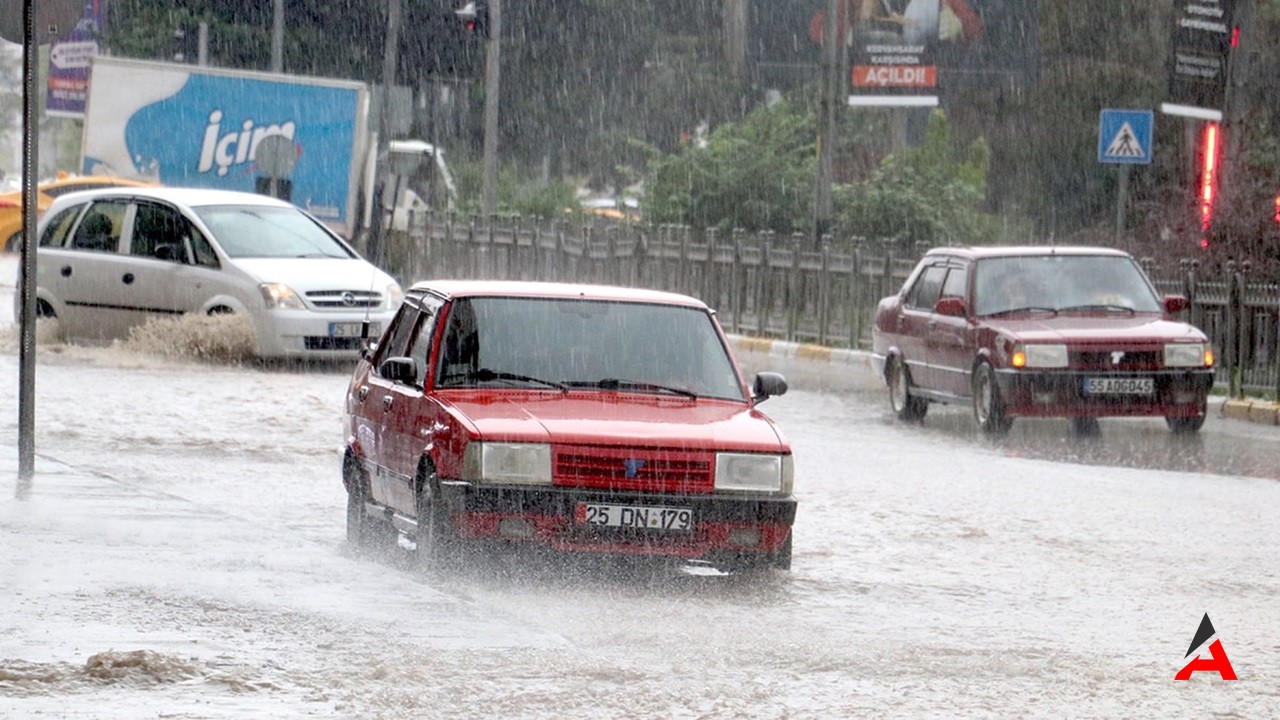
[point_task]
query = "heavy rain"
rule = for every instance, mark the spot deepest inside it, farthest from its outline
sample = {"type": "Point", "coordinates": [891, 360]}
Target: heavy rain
{"type": "Point", "coordinates": [181, 544]}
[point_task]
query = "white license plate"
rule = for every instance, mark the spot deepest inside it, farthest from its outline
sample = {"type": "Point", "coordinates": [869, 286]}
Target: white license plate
{"type": "Point", "coordinates": [1119, 386]}
{"type": "Point", "coordinates": [634, 516]}
{"type": "Point", "coordinates": [352, 329]}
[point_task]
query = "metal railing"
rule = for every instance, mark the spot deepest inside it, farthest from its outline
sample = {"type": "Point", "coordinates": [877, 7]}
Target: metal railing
{"type": "Point", "coordinates": [783, 287]}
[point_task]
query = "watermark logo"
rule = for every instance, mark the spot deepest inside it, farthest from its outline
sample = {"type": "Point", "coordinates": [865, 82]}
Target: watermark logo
{"type": "Point", "coordinates": [1217, 660]}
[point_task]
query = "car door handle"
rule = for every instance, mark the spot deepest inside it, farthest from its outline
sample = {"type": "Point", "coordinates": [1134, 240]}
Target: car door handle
{"type": "Point", "coordinates": [363, 392]}
{"type": "Point", "coordinates": [386, 402]}
{"type": "Point", "coordinates": [66, 271]}
{"type": "Point", "coordinates": [127, 278]}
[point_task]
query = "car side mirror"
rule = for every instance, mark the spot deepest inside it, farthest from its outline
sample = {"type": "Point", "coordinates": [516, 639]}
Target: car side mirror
{"type": "Point", "coordinates": [1174, 304]}
{"type": "Point", "coordinates": [399, 369]}
{"type": "Point", "coordinates": [767, 385]}
{"type": "Point", "coordinates": [950, 306]}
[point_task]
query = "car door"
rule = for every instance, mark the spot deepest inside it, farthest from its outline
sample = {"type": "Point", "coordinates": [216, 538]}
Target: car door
{"type": "Point", "coordinates": [409, 414]}
{"type": "Point", "coordinates": [374, 401]}
{"type": "Point", "coordinates": [916, 323]}
{"type": "Point", "coordinates": [169, 276]}
{"type": "Point", "coordinates": [949, 342]}
{"type": "Point", "coordinates": [87, 273]}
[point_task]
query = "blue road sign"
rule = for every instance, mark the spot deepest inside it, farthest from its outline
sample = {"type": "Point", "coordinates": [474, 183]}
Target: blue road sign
{"type": "Point", "coordinates": [1124, 136]}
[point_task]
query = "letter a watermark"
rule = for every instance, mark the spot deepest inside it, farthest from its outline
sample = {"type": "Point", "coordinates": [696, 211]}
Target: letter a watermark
{"type": "Point", "coordinates": [1217, 660]}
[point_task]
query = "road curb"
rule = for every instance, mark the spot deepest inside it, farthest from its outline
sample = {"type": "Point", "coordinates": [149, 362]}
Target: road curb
{"type": "Point", "coordinates": [801, 351]}
{"type": "Point", "coordinates": [1261, 412]}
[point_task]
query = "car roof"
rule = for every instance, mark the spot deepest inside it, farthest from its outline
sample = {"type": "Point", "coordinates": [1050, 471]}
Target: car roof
{"type": "Point", "coordinates": [192, 197]}
{"type": "Point", "coordinates": [551, 290]}
{"type": "Point", "coordinates": [975, 252]}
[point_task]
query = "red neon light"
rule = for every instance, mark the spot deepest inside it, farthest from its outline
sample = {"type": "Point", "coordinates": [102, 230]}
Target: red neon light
{"type": "Point", "coordinates": [1235, 37]}
{"type": "Point", "coordinates": [1209, 176]}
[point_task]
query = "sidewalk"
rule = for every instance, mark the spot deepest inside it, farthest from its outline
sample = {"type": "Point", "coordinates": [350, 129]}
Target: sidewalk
{"type": "Point", "coordinates": [1262, 412]}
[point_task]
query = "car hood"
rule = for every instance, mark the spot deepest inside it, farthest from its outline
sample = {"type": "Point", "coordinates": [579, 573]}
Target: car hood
{"type": "Point", "coordinates": [616, 418]}
{"type": "Point", "coordinates": [1089, 330]}
{"type": "Point", "coordinates": [304, 274]}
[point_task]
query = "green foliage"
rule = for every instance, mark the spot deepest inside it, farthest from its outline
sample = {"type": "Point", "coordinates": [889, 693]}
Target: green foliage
{"type": "Point", "coordinates": [925, 194]}
{"type": "Point", "coordinates": [756, 174]}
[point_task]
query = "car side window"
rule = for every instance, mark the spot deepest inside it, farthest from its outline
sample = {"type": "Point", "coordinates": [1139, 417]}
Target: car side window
{"type": "Point", "coordinates": [395, 341]}
{"type": "Point", "coordinates": [202, 250]}
{"type": "Point", "coordinates": [55, 233]}
{"type": "Point", "coordinates": [159, 232]}
{"type": "Point", "coordinates": [928, 288]}
{"type": "Point", "coordinates": [99, 229]}
{"type": "Point", "coordinates": [955, 284]}
{"type": "Point", "coordinates": [420, 346]}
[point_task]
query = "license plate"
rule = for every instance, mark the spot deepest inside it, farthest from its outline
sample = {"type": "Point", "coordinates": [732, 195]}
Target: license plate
{"type": "Point", "coordinates": [634, 516]}
{"type": "Point", "coordinates": [352, 329]}
{"type": "Point", "coordinates": [1119, 386]}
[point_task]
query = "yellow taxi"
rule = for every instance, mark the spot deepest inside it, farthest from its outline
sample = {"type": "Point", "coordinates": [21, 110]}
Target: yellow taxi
{"type": "Point", "coordinates": [11, 202]}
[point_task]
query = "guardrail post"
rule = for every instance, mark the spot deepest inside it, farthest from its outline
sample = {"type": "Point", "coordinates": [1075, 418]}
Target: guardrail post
{"type": "Point", "coordinates": [737, 292]}
{"type": "Point", "coordinates": [1232, 351]}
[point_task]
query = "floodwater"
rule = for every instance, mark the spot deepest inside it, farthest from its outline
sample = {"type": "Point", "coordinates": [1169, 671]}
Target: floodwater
{"type": "Point", "coordinates": [182, 555]}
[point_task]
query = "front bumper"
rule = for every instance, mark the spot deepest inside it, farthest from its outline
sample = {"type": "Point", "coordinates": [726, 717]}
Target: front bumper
{"type": "Point", "coordinates": [723, 525]}
{"type": "Point", "coordinates": [309, 334]}
{"type": "Point", "coordinates": [1061, 393]}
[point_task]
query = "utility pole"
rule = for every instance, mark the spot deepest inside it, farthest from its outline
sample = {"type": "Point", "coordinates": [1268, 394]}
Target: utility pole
{"type": "Point", "coordinates": [390, 51]}
{"type": "Point", "coordinates": [831, 88]}
{"type": "Point", "coordinates": [488, 191]}
{"type": "Point", "coordinates": [277, 36]}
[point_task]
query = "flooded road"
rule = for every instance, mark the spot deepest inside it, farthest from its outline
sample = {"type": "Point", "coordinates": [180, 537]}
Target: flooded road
{"type": "Point", "coordinates": [183, 555]}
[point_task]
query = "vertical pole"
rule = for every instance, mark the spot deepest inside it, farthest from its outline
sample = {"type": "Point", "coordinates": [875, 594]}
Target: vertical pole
{"type": "Point", "coordinates": [826, 123]}
{"type": "Point", "coordinates": [202, 45]}
{"type": "Point", "coordinates": [1122, 198]}
{"type": "Point", "coordinates": [30, 166]}
{"type": "Point", "coordinates": [488, 192]}
{"type": "Point", "coordinates": [277, 36]}
{"type": "Point", "coordinates": [390, 50]}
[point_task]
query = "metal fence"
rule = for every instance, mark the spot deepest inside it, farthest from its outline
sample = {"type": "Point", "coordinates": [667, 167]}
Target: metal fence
{"type": "Point", "coordinates": [783, 287]}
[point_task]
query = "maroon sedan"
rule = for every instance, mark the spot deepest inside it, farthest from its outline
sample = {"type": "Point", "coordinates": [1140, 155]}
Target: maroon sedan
{"type": "Point", "coordinates": [1076, 332]}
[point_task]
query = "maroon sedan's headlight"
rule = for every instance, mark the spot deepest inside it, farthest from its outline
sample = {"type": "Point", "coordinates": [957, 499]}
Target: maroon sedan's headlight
{"type": "Point", "coordinates": [1039, 355]}
{"type": "Point", "coordinates": [1188, 355]}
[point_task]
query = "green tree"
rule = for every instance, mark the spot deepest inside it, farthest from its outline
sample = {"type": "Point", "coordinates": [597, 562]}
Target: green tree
{"type": "Point", "coordinates": [755, 174]}
{"type": "Point", "coordinates": [928, 193]}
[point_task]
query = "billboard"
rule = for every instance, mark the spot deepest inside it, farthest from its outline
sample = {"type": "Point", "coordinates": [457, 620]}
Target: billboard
{"type": "Point", "coordinates": [1203, 33]}
{"type": "Point", "coordinates": [976, 42]}
{"type": "Point", "coordinates": [893, 44]}
{"type": "Point", "coordinates": [69, 58]}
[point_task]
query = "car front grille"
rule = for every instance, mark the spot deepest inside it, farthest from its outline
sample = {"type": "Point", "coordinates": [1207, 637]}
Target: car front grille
{"type": "Point", "coordinates": [344, 299]}
{"type": "Point", "coordinates": [1117, 359]}
{"type": "Point", "coordinates": [648, 469]}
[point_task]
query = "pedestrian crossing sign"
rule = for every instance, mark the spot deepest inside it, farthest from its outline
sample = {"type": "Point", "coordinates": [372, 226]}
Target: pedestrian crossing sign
{"type": "Point", "coordinates": [1124, 136]}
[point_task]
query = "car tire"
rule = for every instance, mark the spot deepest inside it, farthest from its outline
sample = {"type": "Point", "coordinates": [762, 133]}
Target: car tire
{"type": "Point", "coordinates": [364, 532]}
{"type": "Point", "coordinates": [905, 406]}
{"type": "Point", "coordinates": [1188, 425]}
{"type": "Point", "coordinates": [782, 558]}
{"type": "Point", "coordinates": [13, 243]}
{"type": "Point", "coordinates": [434, 540]}
{"type": "Point", "coordinates": [988, 405]}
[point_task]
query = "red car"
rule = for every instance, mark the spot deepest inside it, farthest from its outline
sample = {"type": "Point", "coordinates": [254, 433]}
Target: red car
{"type": "Point", "coordinates": [574, 417]}
{"type": "Point", "coordinates": [1076, 332]}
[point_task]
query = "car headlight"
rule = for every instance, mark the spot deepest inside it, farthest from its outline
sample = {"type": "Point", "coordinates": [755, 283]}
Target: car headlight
{"type": "Point", "coordinates": [1040, 356]}
{"type": "Point", "coordinates": [279, 296]}
{"type": "Point", "coordinates": [395, 296]}
{"type": "Point", "coordinates": [507, 463]}
{"type": "Point", "coordinates": [1188, 355]}
{"type": "Point", "coordinates": [751, 472]}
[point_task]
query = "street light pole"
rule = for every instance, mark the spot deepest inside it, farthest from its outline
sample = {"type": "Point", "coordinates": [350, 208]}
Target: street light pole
{"type": "Point", "coordinates": [488, 191]}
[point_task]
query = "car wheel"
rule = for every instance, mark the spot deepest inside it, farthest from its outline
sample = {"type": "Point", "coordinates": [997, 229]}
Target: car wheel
{"type": "Point", "coordinates": [364, 531]}
{"type": "Point", "coordinates": [1187, 425]}
{"type": "Point", "coordinates": [14, 243]}
{"type": "Point", "coordinates": [434, 539]}
{"type": "Point", "coordinates": [905, 405]}
{"type": "Point", "coordinates": [782, 558]}
{"type": "Point", "coordinates": [988, 406]}
{"type": "Point", "coordinates": [1085, 426]}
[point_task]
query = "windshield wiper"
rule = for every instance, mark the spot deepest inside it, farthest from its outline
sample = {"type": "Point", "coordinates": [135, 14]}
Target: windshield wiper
{"type": "Point", "coordinates": [1030, 308]}
{"type": "Point", "coordinates": [1106, 307]}
{"type": "Point", "coordinates": [487, 375]}
{"type": "Point", "coordinates": [619, 384]}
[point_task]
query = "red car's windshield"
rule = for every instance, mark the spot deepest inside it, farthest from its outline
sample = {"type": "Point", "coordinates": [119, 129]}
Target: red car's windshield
{"type": "Point", "coordinates": [1061, 283]}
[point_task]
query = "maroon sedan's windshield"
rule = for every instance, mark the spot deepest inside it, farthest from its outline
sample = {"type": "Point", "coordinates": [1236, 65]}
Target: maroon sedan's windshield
{"type": "Point", "coordinates": [1061, 283]}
